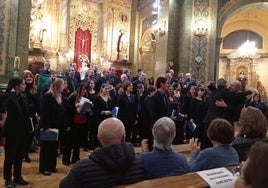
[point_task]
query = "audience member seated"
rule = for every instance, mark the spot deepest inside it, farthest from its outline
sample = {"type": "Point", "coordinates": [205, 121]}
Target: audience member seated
{"type": "Point", "coordinates": [111, 165]}
{"type": "Point", "coordinates": [163, 161]}
{"type": "Point", "coordinates": [254, 171]}
{"type": "Point", "coordinates": [220, 133]}
{"type": "Point", "coordinates": [252, 128]}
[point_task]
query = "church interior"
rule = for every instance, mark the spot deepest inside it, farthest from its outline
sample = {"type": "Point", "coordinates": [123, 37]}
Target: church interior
{"type": "Point", "coordinates": [208, 38]}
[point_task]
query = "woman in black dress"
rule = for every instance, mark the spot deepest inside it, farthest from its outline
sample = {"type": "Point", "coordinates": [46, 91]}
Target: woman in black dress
{"type": "Point", "coordinates": [127, 111]}
{"type": "Point", "coordinates": [102, 110]}
{"type": "Point", "coordinates": [51, 117]}
{"type": "Point", "coordinates": [33, 108]}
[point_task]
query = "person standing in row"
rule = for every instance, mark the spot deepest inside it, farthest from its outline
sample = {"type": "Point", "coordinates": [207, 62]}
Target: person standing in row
{"type": "Point", "coordinates": [32, 97]}
{"type": "Point", "coordinates": [51, 116]}
{"type": "Point", "coordinates": [16, 131]}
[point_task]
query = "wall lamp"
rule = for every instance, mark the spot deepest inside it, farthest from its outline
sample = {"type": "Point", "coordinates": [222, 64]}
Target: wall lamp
{"type": "Point", "coordinates": [201, 27]}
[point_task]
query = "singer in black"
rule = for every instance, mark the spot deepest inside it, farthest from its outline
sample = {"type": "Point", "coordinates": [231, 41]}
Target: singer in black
{"type": "Point", "coordinates": [16, 131]}
{"type": "Point", "coordinates": [51, 116]}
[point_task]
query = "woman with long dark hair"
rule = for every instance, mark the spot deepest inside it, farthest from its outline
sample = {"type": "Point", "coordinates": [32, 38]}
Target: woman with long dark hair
{"type": "Point", "coordinates": [76, 131]}
{"type": "Point", "coordinates": [16, 131]}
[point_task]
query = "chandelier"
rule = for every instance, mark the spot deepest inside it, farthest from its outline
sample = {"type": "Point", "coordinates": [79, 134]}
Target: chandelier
{"type": "Point", "coordinates": [248, 48]}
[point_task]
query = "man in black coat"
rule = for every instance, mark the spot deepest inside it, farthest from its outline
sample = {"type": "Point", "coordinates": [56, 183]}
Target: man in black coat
{"type": "Point", "coordinates": [114, 164]}
{"type": "Point", "coordinates": [158, 108]}
{"type": "Point", "coordinates": [221, 94]}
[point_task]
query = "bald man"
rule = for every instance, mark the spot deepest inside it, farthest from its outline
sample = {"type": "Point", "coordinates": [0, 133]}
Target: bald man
{"type": "Point", "coordinates": [113, 164]}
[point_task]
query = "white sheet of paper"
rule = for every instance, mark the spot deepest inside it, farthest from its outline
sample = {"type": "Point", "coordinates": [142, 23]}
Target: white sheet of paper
{"type": "Point", "coordinates": [83, 100]}
{"type": "Point", "coordinates": [218, 177]}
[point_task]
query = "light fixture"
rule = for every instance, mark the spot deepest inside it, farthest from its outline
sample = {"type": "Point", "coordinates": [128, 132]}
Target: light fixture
{"type": "Point", "coordinates": [201, 27]}
{"type": "Point", "coordinates": [247, 49]}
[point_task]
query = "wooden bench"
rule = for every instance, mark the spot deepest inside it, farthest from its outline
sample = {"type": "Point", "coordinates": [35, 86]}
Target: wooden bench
{"type": "Point", "coordinates": [190, 180]}
{"type": "Point", "coordinates": [182, 148]}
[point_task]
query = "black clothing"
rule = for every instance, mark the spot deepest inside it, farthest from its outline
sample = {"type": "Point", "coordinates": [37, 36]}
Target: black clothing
{"type": "Point", "coordinates": [16, 132]}
{"type": "Point", "coordinates": [127, 112]}
{"type": "Point", "coordinates": [158, 108]}
{"type": "Point", "coordinates": [51, 116]}
{"type": "Point", "coordinates": [99, 106]}
{"type": "Point", "coordinates": [214, 112]}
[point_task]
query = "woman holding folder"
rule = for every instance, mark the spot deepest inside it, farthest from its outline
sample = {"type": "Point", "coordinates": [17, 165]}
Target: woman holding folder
{"type": "Point", "coordinates": [51, 117]}
{"type": "Point", "coordinates": [76, 131]}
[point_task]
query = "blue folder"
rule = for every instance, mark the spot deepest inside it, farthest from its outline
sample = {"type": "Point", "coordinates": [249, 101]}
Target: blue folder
{"type": "Point", "coordinates": [85, 106]}
{"type": "Point", "coordinates": [53, 135]}
{"type": "Point", "coordinates": [178, 117]}
{"type": "Point", "coordinates": [114, 112]}
{"type": "Point", "coordinates": [191, 126]}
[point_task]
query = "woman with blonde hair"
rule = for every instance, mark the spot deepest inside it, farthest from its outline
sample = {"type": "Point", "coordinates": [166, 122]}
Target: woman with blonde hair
{"type": "Point", "coordinates": [103, 105]}
{"type": "Point", "coordinates": [254, 171]}
{"type": "Point", "coordinates": [33, 108]}
{"type": "Point", "coordinates": [253, 127]}
{"type": "Point", "coordinates": [51, 117]}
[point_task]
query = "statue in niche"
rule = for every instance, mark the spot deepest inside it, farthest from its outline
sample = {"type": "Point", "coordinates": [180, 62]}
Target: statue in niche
{"type": "Point", "coordinates": [36, 28]}
{"type": "Point", "coordinates": [242, 79]}
{"type": "Point", "coordinates": [122, 44]}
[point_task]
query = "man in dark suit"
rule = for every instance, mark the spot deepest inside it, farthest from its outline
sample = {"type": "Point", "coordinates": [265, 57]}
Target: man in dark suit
{"type": "Point", "coordinates": [76, 74]}
{"type": "Point", "coordinates": [158, 108]}
{"type": "Point", "coordinates": [140, 80]}
{"type": "Point", "coordinates": [71, 80]}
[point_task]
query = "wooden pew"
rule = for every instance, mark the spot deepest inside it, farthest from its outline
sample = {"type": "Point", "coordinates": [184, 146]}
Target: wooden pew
{"type": "Point", "coordinates": [190, 180]}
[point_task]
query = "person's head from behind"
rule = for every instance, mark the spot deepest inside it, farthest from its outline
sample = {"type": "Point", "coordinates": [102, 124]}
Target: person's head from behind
{"type": "Point", "coordinates": [164, 131]}
{"type": "Point", "coordinates": [253, 123]}
{"type": "Point", "coordinates": [220, 131]}
{"type": "Point", "coordinates": [235, 86]}
{"type": "Point", "coordinates": [254, 170]}
{"type": "Point", "coordinates": [111, 131]}
{"type": "Point", "coordinates": [221, 83]}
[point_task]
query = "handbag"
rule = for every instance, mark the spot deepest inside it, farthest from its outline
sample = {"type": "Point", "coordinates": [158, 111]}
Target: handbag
{"type": "Point", "coordinates": [80, 118]}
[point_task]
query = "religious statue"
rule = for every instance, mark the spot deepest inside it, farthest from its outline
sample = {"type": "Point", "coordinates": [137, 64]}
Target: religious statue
{"type": "Point", "coordinates": [122, 44]}
{"type": "Point", "coordinates": [83, 40]}
{"type": "Point", "coordinates": [36, 27]}
{"type": "Point", "coordinates": [242, 79]}
{"type": "Point", "coordinates": [16, 67]}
